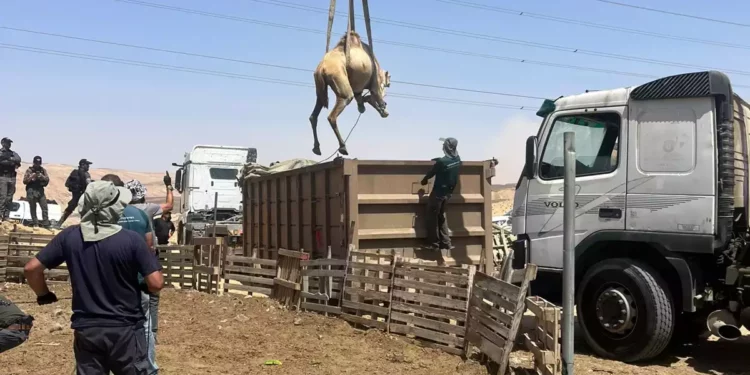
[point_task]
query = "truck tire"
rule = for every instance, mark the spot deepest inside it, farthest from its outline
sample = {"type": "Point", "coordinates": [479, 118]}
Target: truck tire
{"type": "Point", "coordinates": [625, 310]}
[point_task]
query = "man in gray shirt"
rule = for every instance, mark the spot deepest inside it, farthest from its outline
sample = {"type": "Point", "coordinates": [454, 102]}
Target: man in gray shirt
{"type": "Point", "coordinates": [152, 210]}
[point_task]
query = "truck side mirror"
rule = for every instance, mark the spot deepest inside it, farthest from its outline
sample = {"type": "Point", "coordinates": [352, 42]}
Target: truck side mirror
{"type": "Point", "coordinates": [178, 180]}
{"type": "Point", "coordinates": [528, 167]}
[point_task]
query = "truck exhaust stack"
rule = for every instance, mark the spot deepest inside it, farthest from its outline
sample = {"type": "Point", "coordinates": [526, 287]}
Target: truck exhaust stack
{"type": "Point", "coordinates": [722, 324]}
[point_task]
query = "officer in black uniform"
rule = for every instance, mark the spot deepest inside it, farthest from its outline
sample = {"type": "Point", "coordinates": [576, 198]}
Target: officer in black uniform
{"type": "Point", "coordinates": [9, 163]}
{"type": "Point", "coordinates": [15, 326]}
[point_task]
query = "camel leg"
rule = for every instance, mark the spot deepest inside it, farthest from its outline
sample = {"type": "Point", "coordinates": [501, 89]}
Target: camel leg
{"type": "Point", "coordinates": [314, 123]}
{"type": "Point", "coordinates": [344, 95]}
{"type": "Point", "coordinates": [360, 102]}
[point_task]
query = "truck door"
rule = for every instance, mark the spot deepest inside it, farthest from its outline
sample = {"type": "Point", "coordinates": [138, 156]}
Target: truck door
{"type": "Point", "coordinates": [601, 164]}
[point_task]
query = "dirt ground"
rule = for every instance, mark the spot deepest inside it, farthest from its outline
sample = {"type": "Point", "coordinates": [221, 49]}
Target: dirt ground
{"type": "Point", "coordinates": [204, 334]}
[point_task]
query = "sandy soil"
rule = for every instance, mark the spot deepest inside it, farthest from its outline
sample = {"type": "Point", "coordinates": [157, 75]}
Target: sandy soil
{"type": "Point", "coordinates": [502, 199]}
{"type": "Point", "coordinates": [203, 334]}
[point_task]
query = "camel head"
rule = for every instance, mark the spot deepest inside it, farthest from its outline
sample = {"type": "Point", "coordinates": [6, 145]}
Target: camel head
{"type": "Point", "coordinates": [384, 82]}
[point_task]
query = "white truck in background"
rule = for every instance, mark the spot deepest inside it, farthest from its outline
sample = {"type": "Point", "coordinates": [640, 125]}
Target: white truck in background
{"type": "Point", "coordinates": [206, 171]}
{"type": "Point", "coordinates": [20, 211]}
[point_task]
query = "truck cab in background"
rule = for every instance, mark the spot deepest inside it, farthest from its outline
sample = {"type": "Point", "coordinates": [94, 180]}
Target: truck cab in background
{"type": "Point", "coordinates": [208, 181]}
{"type": "Point", "coordinates": [661, 205]}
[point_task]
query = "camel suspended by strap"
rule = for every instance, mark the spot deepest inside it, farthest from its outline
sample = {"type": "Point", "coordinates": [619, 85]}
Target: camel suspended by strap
{"type": "Point", "coordinates": [349, 69]}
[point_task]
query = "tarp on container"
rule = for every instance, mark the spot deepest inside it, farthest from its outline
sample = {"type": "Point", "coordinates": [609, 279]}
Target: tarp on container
{"type": "Point", "coordinates": [255, 170]}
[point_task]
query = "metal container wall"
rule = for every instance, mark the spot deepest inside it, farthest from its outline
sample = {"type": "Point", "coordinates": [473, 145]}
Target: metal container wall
{"type": "Point", "coordinates": [368, 205]}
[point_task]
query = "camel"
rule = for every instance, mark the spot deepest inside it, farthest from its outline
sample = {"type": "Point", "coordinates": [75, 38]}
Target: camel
{"type": "Point", "coordinates": [347, 80]}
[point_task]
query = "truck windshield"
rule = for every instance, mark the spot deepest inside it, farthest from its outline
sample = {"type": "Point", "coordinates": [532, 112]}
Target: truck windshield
{"type": "Point", "coordinates": [223, 173]}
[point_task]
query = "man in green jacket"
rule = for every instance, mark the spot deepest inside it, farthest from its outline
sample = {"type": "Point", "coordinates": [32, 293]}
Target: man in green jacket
{"type": "Point", "coordinates": [445, 170]}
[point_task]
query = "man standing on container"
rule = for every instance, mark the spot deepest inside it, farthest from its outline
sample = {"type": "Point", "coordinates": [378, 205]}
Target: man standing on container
{"type": "Point", "coordinates": [9, 163]}
{"type": "Point", "coordinates": [445, 170]}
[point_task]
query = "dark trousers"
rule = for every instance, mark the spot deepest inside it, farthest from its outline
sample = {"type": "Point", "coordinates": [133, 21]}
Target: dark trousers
{"type": "Point", "coordinates": [9, 339]}
{"type": "Point", "coordinates": [73, 203]}
{"type": "Point", "coordinates": [153, 310]}
{"type": "Point", "coordinates": [7, 189]}
{"type": "Point", "coordinates": [36, 196]}
{"type": "Point", "coordinates": [436, 224]}
{"type": "Point", "coordinates": [120, 350]}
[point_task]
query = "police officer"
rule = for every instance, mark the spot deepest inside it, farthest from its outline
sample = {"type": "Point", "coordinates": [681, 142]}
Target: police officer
{"type": "Point", "coordinates": [15, 326]}
{"type": "Point", "coordinates": [36, 179]}
{"type": "Point", "coordinates": [445, 170]}
{"type": "Point", "coordinates": [76, 183]}
{"type": "Point", "coordinates": [9, 163]}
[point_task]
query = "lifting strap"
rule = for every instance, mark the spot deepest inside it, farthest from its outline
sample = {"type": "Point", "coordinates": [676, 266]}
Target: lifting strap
{"type": "Point", "coordinates": [366, 10]}
{"type": "Point", "coordinates": [331, 13]}
{"type": "Point", "coordinates": [349, 28]}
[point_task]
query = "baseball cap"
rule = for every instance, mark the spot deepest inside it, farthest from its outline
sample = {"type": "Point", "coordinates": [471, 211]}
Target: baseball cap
{"type": "Point", "coordinates": [84, 161]}
{"type": "Point", "coordinates": [37, 159]}
{"type": "Point", "coordinates": [6, 139]}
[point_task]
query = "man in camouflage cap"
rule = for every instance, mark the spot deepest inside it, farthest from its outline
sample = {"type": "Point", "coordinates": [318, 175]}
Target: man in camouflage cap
{"type": "Point", "coordinates": [9, 163]}
{"type": "Point", "coordinates": [36, 179]}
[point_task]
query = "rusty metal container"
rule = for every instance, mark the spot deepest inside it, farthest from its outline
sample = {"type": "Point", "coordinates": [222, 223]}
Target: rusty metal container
{"type": "Point", "coordinates": [366, 204]}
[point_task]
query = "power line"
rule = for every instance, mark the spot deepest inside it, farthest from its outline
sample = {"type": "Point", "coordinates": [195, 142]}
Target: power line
{"type": "Point", "coordinates": [675, 13]}
{"type": "Point", "coordinates": [261, 63]}
{"type": "Point", "coordinates": [626, 30]}
{"type": "Point", "coordinates": [241, 76]}
{"type": "Point", "coordinates": [451, 32]}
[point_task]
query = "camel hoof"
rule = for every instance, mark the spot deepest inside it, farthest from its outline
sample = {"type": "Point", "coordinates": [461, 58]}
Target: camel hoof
{"type": "Point", "coordinates": [361, 108]}
{"type": "Point", "coordinates": [384, 114]}
{"type": "Point", "coordinates": [343, 151]}
{"type": "Point", "coordinates": [316, 150]}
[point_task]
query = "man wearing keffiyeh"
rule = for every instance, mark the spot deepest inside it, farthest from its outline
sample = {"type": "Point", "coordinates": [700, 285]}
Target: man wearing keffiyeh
{"type": "Point", "coordinates": [103, 261]}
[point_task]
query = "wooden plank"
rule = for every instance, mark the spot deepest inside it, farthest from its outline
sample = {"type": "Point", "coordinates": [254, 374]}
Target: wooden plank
{"type": "Point", "coordinates": [543, 357]}
{"type": "Point", "coordinates": [323, 273]}
{"type": "Point", "coordinates": [426, 334]}
{"type": "Point", "coordinates": [446, 269]}
{"type": "Point", "coordinates": [500, 316]}
{"type": "Point", "coordinates": [207, 241]}
{"type": "Point", "coordinates": [250, 270]}
{"type": "Point", "coordinates": [427, 323]}
{"type": "Point", "coordinates": [323, 262]}
{"type": "Point", "coordinates": [476, 326]}
{"type": "Point", "coordinates": [371, 294]}
{"type": "Point", "coordinates": [321, 307]}
{"type": "Point", "coordinates": [354, 253]}
{"type": "Point", "coordinates": [371, 267]}
{"type": "Point", "coordinates": [364, 321]}
{"type": "Point", "coordinates": [287, 284]}
{"type": "Point", "coordinates": [497, 286]}
{"type": "Point", "coordinates": [485, 346]}
{"type": "Point", "coordinates": [365, 306]}
{"type": "Point", "coordinates": [433, 300]}
{"type": "Point", "coordinates": [493, 325]}
{"type": "Point", "coordinates": [369, 280]}
{"type": "Point", "coordinates": [315, 296]}
{"type": "Point", "coordinates": [249, 279]}
{"type": "Point", "coordinates": [250, 260]}
{"type": "Point", "coordinates": [175, 247]}
{"type": "Point", "coordinates": [12, 271]}
{"type": "Point", "coordinates": [435, 288]}
{"type": "Point", "coordinates": [495, 299]}
{"type": "Point", "coordinates": [433, 276]}
{"type": "Point", "coordinates": [206, 269]}
{"type": "Point", "coordinates": [431, 311]}
{"type": "Point", "coordinates": [26, 247]}
{"type": "Point", "coordinates": [248, 288]}
{"type": "Point", "coordinates": [294, 254]}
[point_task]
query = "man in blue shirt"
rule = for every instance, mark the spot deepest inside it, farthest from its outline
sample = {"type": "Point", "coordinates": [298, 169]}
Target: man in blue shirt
{"type": "Point", "coordinates": [103, 261]}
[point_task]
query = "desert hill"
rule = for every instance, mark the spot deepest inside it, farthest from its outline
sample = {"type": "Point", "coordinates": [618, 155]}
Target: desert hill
{"type": "Point", "coordinates": [58, 173]}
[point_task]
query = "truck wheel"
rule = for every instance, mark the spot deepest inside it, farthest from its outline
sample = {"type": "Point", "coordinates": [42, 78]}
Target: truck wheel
{"type": "Point", "coordinates": [625, 310]}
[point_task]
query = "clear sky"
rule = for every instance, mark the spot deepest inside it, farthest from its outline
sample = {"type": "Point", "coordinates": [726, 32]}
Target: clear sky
{"type": "Point", "coordinates": [140, 118]}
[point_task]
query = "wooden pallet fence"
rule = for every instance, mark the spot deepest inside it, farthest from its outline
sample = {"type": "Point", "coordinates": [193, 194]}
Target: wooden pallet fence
{"type": "Point", "coordinates": [3, 256]}
{"type": "Point", "coordinates": [544, 341]}
{"type": "Point", "coordinates": [177, 265]}
{"type": "Point", "coordinates": [19, 248]}
{"type": "Point", "coordinates": [207, 262]}
{"type": "Point", "coordinates": [430, 303]}
{"type": "Point", "coordinates": [248, 274]}
{"type": "Point", "coordinates": [367, 288]}
{"type": "Point", "coordinates": [287, 284]}
{"type": "Point", "coordinates": [495, 312]}
{"type": "Point", "coordinates": [321, 283]}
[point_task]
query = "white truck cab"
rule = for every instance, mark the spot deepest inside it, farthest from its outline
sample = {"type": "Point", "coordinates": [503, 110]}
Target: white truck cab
{"type": "Point", "coordinates": [661, 207]}
{"type": "Point", "coordinates": [206, 171]}
{"type": "Point", "coordinates": [21, 212]}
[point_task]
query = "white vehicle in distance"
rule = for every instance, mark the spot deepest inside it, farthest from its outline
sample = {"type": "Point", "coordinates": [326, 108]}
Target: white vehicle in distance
{"type": "Point", "coordinates": [20, 211]}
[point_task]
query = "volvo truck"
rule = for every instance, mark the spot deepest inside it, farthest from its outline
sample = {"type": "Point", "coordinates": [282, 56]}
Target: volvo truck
{"type": "Point", "coordinates": [661, 207]}
{"type": "Point", "coordinates": [208, 182]}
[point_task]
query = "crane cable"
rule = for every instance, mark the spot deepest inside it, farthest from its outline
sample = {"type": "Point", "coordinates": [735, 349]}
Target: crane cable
{"type": "Point", "coordinates": [331, 13]}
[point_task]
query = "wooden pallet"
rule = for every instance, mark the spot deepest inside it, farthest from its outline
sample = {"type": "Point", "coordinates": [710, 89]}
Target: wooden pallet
{"type": "Point", "coordinates": [321, 284]}
{"type": "Point", "coordinates": [287, 284]}
{"type": "Point", "coordinates": [249, 274]}
{"type": "Point", "coordinates": [17, 249]}
{"type": "Point", "coordinates": [367, 288]}
{"type": "Point", "coordinates": [207, 262]}
{"type": "Point", "coordinates": [430, 304]}
{"type": "Point", "coordinates": [544, 341]}
{"type": "Point", "coordinates": [177, 265]}
{"type": "Point", "coordinates": [495, 312]}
